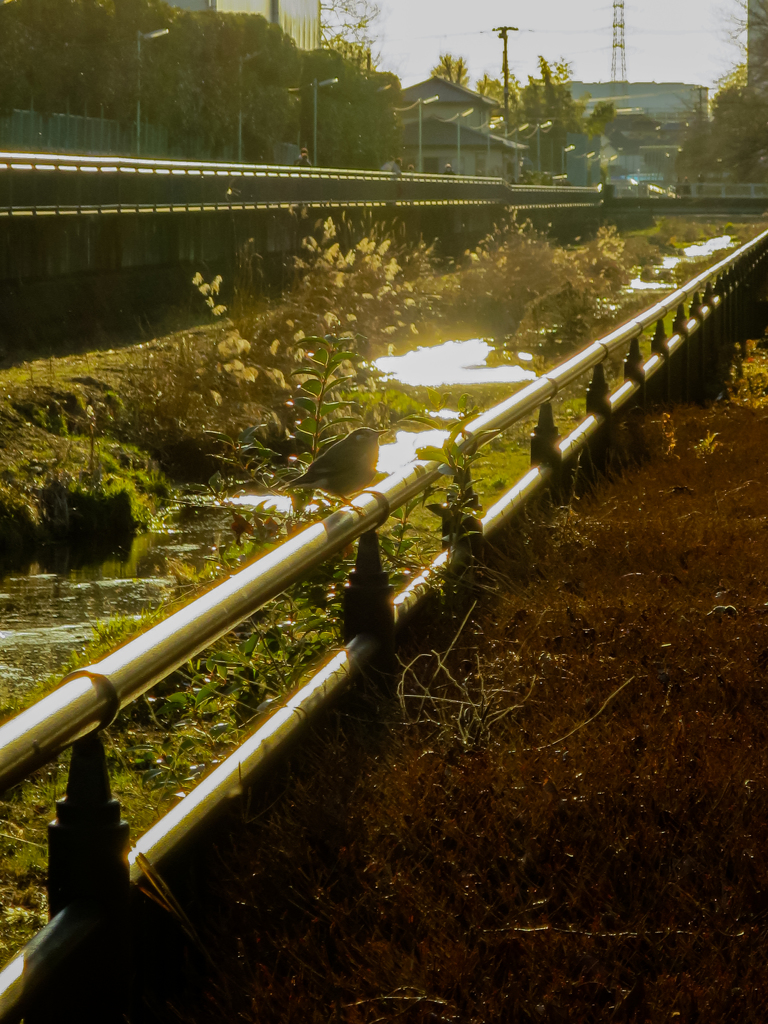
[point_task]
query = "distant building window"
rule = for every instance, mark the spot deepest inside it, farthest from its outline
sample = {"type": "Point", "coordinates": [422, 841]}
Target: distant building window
{"type": "Point", "coordinates": [431, 165]}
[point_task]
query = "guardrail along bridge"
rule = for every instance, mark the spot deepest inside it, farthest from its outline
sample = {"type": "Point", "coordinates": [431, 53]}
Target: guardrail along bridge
{"type": "Point", "coordinates": [66, 214]}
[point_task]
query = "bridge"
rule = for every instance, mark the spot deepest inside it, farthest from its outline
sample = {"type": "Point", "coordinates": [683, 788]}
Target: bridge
{"type": "Point", "coordinates": [689, 199]}
{"type": "Point", "coordinates": [103, 194]}
{"type": "Point", "coordinates": [68, 223]}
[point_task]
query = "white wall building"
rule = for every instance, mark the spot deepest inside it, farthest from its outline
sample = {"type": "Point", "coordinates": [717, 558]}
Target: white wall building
{"type": "Point", "coordinates": [300, 19]}
{"type": "Point", "coordinates": [757, 42]}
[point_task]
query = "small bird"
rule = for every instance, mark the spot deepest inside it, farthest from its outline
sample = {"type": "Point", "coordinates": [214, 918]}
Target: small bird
{"type": "Point", "coordinates": [347, 466]}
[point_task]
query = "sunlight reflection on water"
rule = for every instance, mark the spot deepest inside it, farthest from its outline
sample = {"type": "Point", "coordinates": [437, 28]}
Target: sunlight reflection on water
{"type": "Point", "coordinates": [453, 362]}
{"type": "Point", "coordinates": [690, 252]}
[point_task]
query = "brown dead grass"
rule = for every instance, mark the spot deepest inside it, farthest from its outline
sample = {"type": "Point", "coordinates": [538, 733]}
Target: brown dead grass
{"type": "Point", "coordinates": [465, 862]}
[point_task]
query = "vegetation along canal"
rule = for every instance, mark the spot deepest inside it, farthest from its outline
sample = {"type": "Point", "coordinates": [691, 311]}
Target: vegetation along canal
{"type": "Point", "coordinates": [65, 584]}
{"type": "Point", "coordinates": [133, 475]}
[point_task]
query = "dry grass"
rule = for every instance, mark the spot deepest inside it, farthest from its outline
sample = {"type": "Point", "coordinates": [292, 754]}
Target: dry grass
{"type": "Point", "coordinates": [573, 827]}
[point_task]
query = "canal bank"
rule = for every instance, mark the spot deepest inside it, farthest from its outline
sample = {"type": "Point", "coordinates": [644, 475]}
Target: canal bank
{"type": "Point", "coordinates": [105, 456]}
{"type": "Point", "coordinates": [163, 744]}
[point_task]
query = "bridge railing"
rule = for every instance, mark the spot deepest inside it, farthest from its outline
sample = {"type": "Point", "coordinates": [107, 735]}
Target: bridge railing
{"type": "Point", "coordinates": [47, 183]}
{"type": "Point", "coordinates": [90, 868]}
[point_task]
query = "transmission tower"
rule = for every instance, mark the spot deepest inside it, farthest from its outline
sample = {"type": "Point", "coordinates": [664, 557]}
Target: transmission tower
{"type": "Point", "coordinates": [619, 59]}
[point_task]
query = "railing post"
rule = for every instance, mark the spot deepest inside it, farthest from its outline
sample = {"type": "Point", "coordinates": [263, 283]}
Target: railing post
{"type": "Point", "coordinates": [462, 538]}
{"type": "Point", "coordinates": [545, 450]}
{"type": "Point", "coordinates": [721, 324]}
{"type": "Point", "coordinates": [88, 861]}
{"type": "Point", "coordinates": [369, 604]}
{"type": "Point", "coordinates": [730, 328]}
{"type": "Point", "coordinates": [682, 368]}
{"type": "Point", "coordinates": [696, 357]}
{"type": "Point", "coordinates": [633, 369]}
{"type": "Point", "coordinates": [659, 346]}
{"type": "Point", "coordinates": [738, 317]}
{"type": "Point", "coordinates": [709, 340]}
{"type": "Point", "coordinates": [753, 327]}
{"type": "Point", "coordinates": [599, 405]}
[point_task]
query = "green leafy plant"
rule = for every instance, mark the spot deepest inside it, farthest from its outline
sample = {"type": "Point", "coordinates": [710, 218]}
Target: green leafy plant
{"type": "Point", "coordinates": [456, 457]}
{"type": "Point", "coordinates": [707, 444]}
{"type": "Point", "coordinates": [319, 413]}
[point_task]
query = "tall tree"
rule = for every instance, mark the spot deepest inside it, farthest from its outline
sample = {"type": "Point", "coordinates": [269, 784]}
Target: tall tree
{"type": "Point", "coordinates": [490, 87]}
{"type": "Point", "coordinates": [81, 55]}
{"type": "Point", "coordinates": [732, 143]}
{"type": "Point", "coordinates": [603, 113]}
{"type": "Point", "coordinates": [356, 122]}
{"type": "Point", "coordinates": [348, 21]}
{"type": "Point", "coordinates": [453, 68]}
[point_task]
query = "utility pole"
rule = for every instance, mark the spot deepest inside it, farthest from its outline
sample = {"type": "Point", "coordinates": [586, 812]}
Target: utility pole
{"type": "Point", "coordinates": [503, 31]}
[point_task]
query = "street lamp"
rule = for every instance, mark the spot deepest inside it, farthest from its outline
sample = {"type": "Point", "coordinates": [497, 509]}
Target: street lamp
{"type": "Point", "coordinates": [419, 103]}
{"type": "Point", "coordinates": [539, 128]}
{"type": "Point", "coordinates": [588, 157]}
{"type": "Point", "coordinates": [315, 86]}
{"type": "Point", "coordinates": [564, 162]}
{"type": "Point", "coordinates": [243, 60]}
{"type": "Point", "coordinates": [519, 128]}
{"type": "Point", "coordinates": [319, 85]}
{"type": "Point", "coordinates": [609, 161]}
{"type": "Point", "coordinates": [457, 118]}
{"type": "Point", "coordinates": [139, 36]}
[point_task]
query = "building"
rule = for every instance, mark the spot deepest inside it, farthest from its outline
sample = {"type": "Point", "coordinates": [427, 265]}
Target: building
{"type": "Point", "coordinates": [642, 143]}
{"type": "Point", "coordinates": [637, 147]}
{"type": "Point", "coordinates": [757, 42]}
{"type": "Point", "coordinates": [468, 150]}
{"type": "Point", "coordinates": [300, 19]}
{"type": "Point", "coordinates": [662, 101]}
{"type": "Point", "coordinates": [455, 130]}
{"type": "Point", "coordinates": [453, 100]}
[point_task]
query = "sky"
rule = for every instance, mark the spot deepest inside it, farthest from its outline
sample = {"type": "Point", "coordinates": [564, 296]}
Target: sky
{"type": "Point", "coordinates": [666, 40]}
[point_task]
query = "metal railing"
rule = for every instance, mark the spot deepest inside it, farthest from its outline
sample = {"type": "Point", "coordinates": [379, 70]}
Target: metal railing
{"type": "Point", "coordinates": [86, 900]}
{"type": "Point", "coordinates": [40, 184]}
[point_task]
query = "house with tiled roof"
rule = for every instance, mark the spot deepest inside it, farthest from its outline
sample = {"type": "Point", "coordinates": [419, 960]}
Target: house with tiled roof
{"type": "Point", "coordinates": [455, 131]}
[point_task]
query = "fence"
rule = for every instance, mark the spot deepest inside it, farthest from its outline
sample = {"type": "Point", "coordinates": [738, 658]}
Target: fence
{"type": "Point", "coordinates": [28, 130]}
{"type": "Point", "coordinates": [90, 869]}
{"type": "Point", "coordinates": [714, 190]}
{"type": "Point", "coordinates": [33, 132]}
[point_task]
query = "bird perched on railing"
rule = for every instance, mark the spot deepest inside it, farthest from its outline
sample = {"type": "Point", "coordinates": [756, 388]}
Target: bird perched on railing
{"type": "Point", "coordinates": [347, 466]}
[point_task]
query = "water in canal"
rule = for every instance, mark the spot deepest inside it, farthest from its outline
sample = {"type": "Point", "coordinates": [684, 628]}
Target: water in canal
{"type": "Point", "coordinates": [48, 608]}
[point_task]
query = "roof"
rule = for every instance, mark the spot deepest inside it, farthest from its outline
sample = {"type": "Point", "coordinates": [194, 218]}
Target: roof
{"type": "Point", "coordinates": [435, 131]}
{"type": "Point", "coordinates": [449, 92]}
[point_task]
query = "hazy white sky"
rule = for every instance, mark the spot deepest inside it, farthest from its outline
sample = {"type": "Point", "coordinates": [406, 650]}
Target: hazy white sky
{"type": "Point", "coordinates": [666, 40]}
